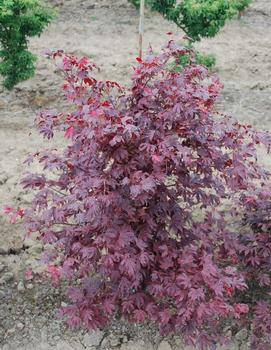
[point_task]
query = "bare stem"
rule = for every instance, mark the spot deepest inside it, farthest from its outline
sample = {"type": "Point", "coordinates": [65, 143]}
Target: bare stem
{"type": "Point", "coordinates": [141, 27]}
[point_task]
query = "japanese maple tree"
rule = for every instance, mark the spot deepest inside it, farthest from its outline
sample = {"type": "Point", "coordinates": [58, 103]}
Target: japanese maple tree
{"type": "Point", "coordinates": [131, 205]}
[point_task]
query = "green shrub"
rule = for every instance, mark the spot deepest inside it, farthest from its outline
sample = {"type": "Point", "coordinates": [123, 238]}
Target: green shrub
{"type": "Point", "coordinates": [207, 60]}
{"type": "Point", "coordinates": [198, 18]}
{"type": "Point", "coordinates": [240, 5]}
{"type": "Point", "coordinates": [19, 20]}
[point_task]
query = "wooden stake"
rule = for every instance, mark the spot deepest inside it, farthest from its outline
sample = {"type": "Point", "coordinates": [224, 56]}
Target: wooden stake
{"type": "Point", "coordinates": [141, 26]}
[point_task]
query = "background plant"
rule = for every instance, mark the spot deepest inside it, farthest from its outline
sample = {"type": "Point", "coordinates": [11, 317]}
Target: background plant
{"type": "Point", "coordinates": [137, 2]}
{"type": "Point", "coordinates": [207, 60]}
{"type": "Point", "coordinates": [19, 20]}
{"type": "Point", "coordinates": [240, 5]}
{"type": "Point", "coordinates": [117, 204]}
{"type": "Point", "coordinates": [198, 18]}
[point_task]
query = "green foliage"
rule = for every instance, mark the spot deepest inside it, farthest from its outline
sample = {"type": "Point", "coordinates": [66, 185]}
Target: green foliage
{"type": "Point", "coordinates": [207, 60]}
{"type": "Point", "coordinates": [204, 18]}
{"type": "Point", "coordinates": [198, 18]}
{"type": "Point", "coordinates": [19, 20]}
{"type": "Point", "coordinates": [137, 2]}
{"type": "Point", "coordinates": [240, 5]}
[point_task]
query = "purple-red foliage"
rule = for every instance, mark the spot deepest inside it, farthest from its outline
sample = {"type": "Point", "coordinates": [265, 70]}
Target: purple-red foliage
{"type": "Point", "coordinates": [120, 204]}
{"type": "Point", "coordinates": [255, 260]}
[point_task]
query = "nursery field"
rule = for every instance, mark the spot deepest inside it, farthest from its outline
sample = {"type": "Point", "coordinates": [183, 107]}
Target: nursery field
{"type": "Point", "coordinates": [106, 31]}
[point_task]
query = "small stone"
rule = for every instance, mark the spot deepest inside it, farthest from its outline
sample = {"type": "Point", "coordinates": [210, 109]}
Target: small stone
{"type": "Point", "coordinates": [29, 242]}
{"type": "Point", "coordinates": [20, 325]}
{"type": "Point", "coordinates": [7, 277]}
{"type": "Point", "coordinates": [29, 286]}
{"type": "Point", "coordinates": [63, 304]}
{"type": "Point", "coordinates": [241, 335]}
{"type": "Point", "coordinates": [20, 286]}
{"type": "Point", "coordinates": [104, 343]}
{"type": "Point", "coordinates": [4, 250]}
{"type": "Point", "coordinates": [164, 345]}
{"type": "Point", "coordinates": [93, 338]}
{"type": "Point", "coordinates": [36, 248]}
{"type": "Point", "coordinates": [114, 341]}
{"type": "Point", "coordinates": [11, 330]}
{"type": "Point", "coordinates": [124, 339]}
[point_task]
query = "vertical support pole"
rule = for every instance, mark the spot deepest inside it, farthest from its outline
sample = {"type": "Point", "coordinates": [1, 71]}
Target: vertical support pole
{"type": "Point", "coordinates": [141, 27]}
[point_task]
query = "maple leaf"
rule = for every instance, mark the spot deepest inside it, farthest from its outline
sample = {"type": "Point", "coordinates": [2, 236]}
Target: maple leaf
{"type": "Point", "coordinates": [241, 309]}
{"type": "Point", "coordinates": [82, 62]}
{"type": "Point", "coordinates": [164, 317]}
{"type": "Point", "coordinates": [196, 294]}
{"type": "Point", "coordinates": [69, 132]}
{"type": "Point", "coordinates": [184, 281]}
{"type": "Point", "coordinates": [129, 266]}
{"type": "Point", "coordinates": [140, 315]}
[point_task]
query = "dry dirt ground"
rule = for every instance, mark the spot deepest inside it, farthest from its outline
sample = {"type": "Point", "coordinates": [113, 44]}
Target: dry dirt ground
{"type": "Point", "coordinates": [106, 31]}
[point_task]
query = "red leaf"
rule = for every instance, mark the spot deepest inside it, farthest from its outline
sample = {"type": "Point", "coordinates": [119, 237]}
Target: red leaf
{"type": "Point", "coordinates": [139, 315]}
{"type": "Point", "coordinates": [54, 273]}
{"type": "Point", "coordinates": [83, 62]}
{"type": "Point", "coordinates": [241, 308]}
{"type": "Point", "coordinates": [69, 132]}
{"type": "Point", "coordinates": [29, 274]}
